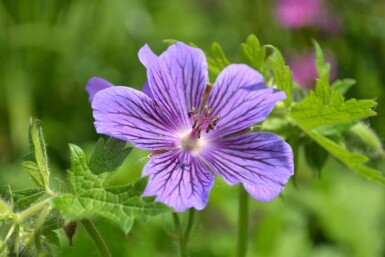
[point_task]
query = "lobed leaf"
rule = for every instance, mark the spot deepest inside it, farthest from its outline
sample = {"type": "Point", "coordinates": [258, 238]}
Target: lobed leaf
{"type": "Point", "coordinates": [108, 155]}
{"type": "Point", "coordinates": [216, 60]}
{"type": "Point", "coordinates": [282, 75]}
{"type": "Point", "coordinates": [252, 53]}
{"type": "Point", "coordinates": [328, 108]}
{"type": "Point", "coordinates": [323, 68]}
{"type": "Point", "coordinates": [342, 86]}
{"type": "Point", "coordinates": [352, 160]}
{"type": "Point", "coordinates": [120, 205]}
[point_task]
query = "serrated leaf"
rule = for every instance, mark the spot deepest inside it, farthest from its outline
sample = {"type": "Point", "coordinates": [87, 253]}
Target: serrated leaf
{"type": "Point", "coordinates": [323, 68]}
{"type": "Point", "coordinates": [252, 53]}
{"type": "Point", "coordinates": [342, 86]}
{"type": "Point", "coordinates": [40, 156]}
{"type": "Point", "coordinates": [216, 60]}
{"type": "Point", "coordinates": [352, 160]}
{"type": "Point", "coordinates": [120, 205]}
{"type": "Point", "coordinates": [326, 107]}
{"type": "Point", "coordinates": [108, 155]}
{"type": "Point", "coordinates": [282, 75]}
{"type": "Point", "coordinates": [25, 197]}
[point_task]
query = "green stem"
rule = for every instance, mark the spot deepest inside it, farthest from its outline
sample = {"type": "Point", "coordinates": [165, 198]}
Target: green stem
{"type": "Point", "coordinates": [24, 215]}
{"type": "Point", "coordinates": [183, 236]}
{"type": "Point", "coordinates": [9, 234]}
{"type": "Point", "coordinates": [243, 223]}
{"type": "Point", "coordinates": [96, 237]}
{"type": "Point", "coordinates": [190, 224]}
{"type": "Point", "coordinates": [39, 224]}
{"type": "Point", "coordinates": [179, 235]}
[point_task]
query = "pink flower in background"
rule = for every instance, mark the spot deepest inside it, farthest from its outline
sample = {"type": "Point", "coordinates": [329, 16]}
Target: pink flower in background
{"type": "Point", "coordinates": [304, 69]}
{"type": "Point", "coordinates": [297, 14]}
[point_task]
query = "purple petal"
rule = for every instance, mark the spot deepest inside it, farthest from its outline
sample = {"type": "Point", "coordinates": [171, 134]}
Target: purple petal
{"type": "Point", "coordinates": [177, 80]}
{"type": "Point", "coordinates": [130, 115]}
{"type": "Point", "coordinates": [179, 180]}
{"type": "Point", "coordinates": [241, 99]}
{"type": "Point", "coordinates": [263, 162]}
{"type": "Point", "coordinates": [147, 90]}
{"type": "Point", "coordinates": [96, 84]}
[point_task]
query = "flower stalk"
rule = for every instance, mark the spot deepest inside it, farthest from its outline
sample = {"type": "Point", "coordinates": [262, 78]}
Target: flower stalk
{"type": "Point", "coordinates": [34, 209]}
{"type": "Point", "coordinates": [183, 237]}
{"type": "Point", "coordinates": [243, 223]}
{"type": "Point", "coordinates": [96, 237]}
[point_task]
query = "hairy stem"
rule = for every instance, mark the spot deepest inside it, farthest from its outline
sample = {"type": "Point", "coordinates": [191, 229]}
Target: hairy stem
{"type": "Point", "coordinates": [8, 235]}
{"type": "Point", "coordinates": [243, 223]}
{"type": "Point", "coordinates": [39, 224]}
{"type": "Point", "coordinates": [96, 237]}
{"type": "Point", "coordinates": [35, 208]}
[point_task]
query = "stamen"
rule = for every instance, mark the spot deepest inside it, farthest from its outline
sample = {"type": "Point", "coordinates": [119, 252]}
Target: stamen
{"type": "Point", "coordinates": [195, 123]}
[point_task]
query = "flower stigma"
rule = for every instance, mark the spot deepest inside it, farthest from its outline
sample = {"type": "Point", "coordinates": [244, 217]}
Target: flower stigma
{"type": "Point", "coordinates": [193, 140]}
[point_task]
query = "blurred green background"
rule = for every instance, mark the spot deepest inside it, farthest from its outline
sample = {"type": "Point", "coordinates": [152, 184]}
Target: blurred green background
{"type": "Point", "coordinates": [50, 48]}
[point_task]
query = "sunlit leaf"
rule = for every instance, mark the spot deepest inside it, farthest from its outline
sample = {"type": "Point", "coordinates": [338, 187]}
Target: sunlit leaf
{"type": "Point", "coordinates": [217, 60]}
{"type": "Point", "coordinates": [252, 53]}
{"type": "Point", "coordinates": [342, 86]}
{"type": "Point", "coordinates": [120, 205]}
{"type": "Point", "coordinates": [326, 107]}
{"type": "Point", "coordinates": [323, 68]}
{"type": "Point", "coordinates": [282, 75]}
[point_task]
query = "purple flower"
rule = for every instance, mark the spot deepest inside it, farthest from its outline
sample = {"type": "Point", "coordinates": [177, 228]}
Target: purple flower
{"type": "Point", "coordinates": [96, 84]}
{"type": "Point", "coordinates": [297, 14]}
{"type": "Point", "coordinates": [195, 134]}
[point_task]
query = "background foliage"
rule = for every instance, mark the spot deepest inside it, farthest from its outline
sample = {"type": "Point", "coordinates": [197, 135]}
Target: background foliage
{"type": "Point", "coordinates": [49, 49]}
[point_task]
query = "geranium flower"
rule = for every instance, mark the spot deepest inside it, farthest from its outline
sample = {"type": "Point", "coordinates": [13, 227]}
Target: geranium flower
{"type": "Point", "coordinates": [195, 131]}
{"type": "Point", "coordinates": [297, 14]}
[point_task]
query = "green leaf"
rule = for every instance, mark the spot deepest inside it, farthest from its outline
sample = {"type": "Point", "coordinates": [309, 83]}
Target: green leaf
{"type": "Point", "coordinates": [33, 171]}
{"type": "Point", "coordinates": [316, 156]}
{"type": "Point", "coordinates": [326, 107]}
{"type": "Point", "coordinates": [217, 60]}
{"type": "Point", "coordinates": [38, 168]}
{"type": "Point", "coordinates": [342, 86]}
{"type": "Point", "coordinates": [22, 199]}
{"type": "Point", "coordinates": [323, 68]}
{"type": "Point", "coordinates": [108, 155]}
{"type": "Point", "coordinates": [352, 160]}
{"type": "Point", "coordinates": [120, 205]}
{"type": "Point", "coordinates": [282, 75]}
{"type": "Point", "coordinates": [252, 53]}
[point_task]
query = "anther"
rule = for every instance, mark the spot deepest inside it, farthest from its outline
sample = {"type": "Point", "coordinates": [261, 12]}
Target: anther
{"type": "Point", "coordinates": [195, 123]}
{"type": "Point", "coordinates": [192, 112]}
